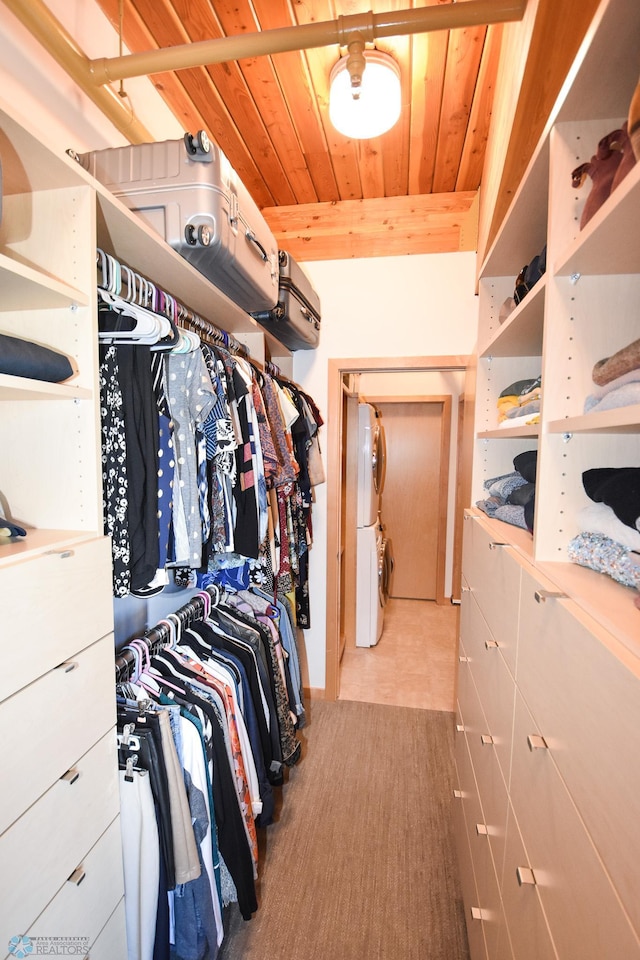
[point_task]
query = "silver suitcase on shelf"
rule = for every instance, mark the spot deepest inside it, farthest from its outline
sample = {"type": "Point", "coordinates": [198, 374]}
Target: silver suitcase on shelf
{"type": "Point", "coordinates": [189, 193]}
{"type": "Point", "coordinates": [295, 319]}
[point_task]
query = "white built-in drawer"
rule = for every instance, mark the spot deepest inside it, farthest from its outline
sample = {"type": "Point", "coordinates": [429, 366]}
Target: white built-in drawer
{"type": "Point", "coordinates": [40, 851]}
{"type": "Point", "coordinates": [462, 808]}
{"type": "Point", "coordinates": [494, 682]}
{"type": "Point", "coordinates": [493, 571]}
{"type": "Point", "coordinates": [526, 924]}
{"type": "Point", "coordinates": [84, 904]}
{"type": "Point", "coordinates": [112, 942]}
{"type": "Point", "coordinates": [586, 702]}
{"type": "Point", "coordinates": [49, 724]}
{"type": "Point", "coordinates": [584, 913]}
{"type": "Point", "coordinates": [53, 605]}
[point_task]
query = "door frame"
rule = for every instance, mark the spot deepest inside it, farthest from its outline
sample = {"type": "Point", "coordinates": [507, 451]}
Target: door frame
{"type": "Point", "coordinates": [339, 371]}
{"type": "Point", "coordinates": [443, 478]}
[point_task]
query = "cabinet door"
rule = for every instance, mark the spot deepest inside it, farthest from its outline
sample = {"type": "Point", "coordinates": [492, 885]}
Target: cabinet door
{"type": "Point", "coordinates": [61, 601]}
{"type": "Point", "coordinates": [494, 682]}
{"type": "Point", "coordinates": [527, 927]}
{"type": "Point", "coordinates": [467, 807]}
{"type": "Point", "coordinates": [112, 941]}
{"type": "Point", "coordinates": [492, 569]}
{"type": "Point", "coordinates": [86, 901]}
{"type": "Point", "coordinates": [41, 850]}
{"type": "Point", "coordinates": [52, 722]}
{"type": "Point", "coordinates": [584, 913]}
{"type": "Point", "coordinates": [586, 702]}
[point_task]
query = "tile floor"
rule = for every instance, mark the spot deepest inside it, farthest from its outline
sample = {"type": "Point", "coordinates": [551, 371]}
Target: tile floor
{"type": "Point", "coordinates": [414, 662]}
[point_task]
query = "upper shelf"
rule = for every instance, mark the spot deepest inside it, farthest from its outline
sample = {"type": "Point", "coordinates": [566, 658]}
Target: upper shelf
{"type": "Point", "coordinates": [618, 420]}
{"type": "Point", "coordinates": [521, 333]}
{"type": "Point", "coordinates": [523, 431]}
{"type": "Point", "coordinates": [31, 165]}
{"type": "Point", "coordinates": [610, 242]}
{"type": "Point", "coordinates": [514, 246]}
{"type": "Point", "coordinates": [24, 388]}
{"type": "Point", "coordinates": [125, 236]}
{"type": "Point", "coordinates": [24, 288]}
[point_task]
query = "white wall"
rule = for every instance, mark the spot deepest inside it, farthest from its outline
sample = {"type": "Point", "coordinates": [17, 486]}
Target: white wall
{"type": "Point", "coordinates": [32, 81]}
{"type": "Point", "coordinates": [378, 307]}
{"type": "Point", "coordinates": [398, 306]}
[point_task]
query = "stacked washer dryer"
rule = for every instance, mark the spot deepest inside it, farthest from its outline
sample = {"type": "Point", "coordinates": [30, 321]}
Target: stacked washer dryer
{"type": "Point", "coordinates": [373, 556]}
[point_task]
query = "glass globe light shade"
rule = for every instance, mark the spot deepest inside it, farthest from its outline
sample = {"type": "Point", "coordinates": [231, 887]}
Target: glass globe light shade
{"type": "Point", "coordinates": [378, 105]}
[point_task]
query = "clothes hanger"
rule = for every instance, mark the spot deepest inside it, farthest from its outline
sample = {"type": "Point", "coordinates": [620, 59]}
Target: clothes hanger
{"type": "Point", "coordinates": [148, 328]}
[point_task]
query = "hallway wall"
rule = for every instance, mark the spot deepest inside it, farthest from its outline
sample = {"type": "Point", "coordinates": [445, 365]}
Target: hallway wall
{"type": "Point", "coordinates": [378, 307]}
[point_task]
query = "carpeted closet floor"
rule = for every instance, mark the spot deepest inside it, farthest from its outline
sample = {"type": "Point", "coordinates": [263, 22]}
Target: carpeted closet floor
{"type": "Point", "coordinates": [361, 862]}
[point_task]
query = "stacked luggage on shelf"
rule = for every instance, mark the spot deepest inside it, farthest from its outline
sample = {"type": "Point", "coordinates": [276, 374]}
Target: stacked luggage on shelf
{"type": "Point", "coordinates": [188, 192]}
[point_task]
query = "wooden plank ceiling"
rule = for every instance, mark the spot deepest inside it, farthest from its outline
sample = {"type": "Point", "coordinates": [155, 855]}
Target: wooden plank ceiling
{"type": "Point", "coordinates": [414, 189]}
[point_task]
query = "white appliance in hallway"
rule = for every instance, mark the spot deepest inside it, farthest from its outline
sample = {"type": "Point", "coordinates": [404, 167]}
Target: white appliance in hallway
{"type": "Point", "coordinates": [371, 464]}
{"type": "Point", "coordinates": [372, 567]}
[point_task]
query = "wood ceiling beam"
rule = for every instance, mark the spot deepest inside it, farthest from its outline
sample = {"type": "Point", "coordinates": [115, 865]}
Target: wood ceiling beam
{"type": "Point", "coordinates": [380, 227]}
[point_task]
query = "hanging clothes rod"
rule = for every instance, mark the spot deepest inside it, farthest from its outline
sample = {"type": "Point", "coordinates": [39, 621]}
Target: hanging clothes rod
{"type": "Point", "coordinates": [120, 279]}
{"type": "Point", "coordinates": [159, 636]}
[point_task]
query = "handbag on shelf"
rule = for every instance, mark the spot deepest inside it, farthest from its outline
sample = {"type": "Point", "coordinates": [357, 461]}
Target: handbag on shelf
{"type": "Point", "coordinates": [601, 169]}
{"type": "Point", "coordinates": [628, 161]}
{"type": "Point", "coordinates": [529, 275]}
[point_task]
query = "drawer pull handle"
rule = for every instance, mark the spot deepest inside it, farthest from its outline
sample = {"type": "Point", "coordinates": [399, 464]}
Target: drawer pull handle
{"type": "Point", "coordinates": [70, 776]}
{"type": "Point", "coordinates": [491, 644]}
{"type": "Point", "coordinates": [457, 794]}
{"type": "Point", "coordinates": [495, 544]}
{"type": "Point", "coordinates": [463, 659]}
{"type": "Point", "coordinates": [68, 666]}
{"type": "Point", "coordinates": [525, 875]}
{"type": "Point", "coordinates": [543, 595]}
{"type": "Point", "coordinates": [77, 876]}
{"type": "Point", "coordinates": [485, 739]}
{"type": "Point", "coordinates": [481, 830]}
{"type": "Point", "coordinates": [460, 727]}
{"type": "Point", "coordinates": [476, 913]}
{"type": "Point", "coordinates": [61, 554]}
{"type": "Point", "coordinates": [536, 742]}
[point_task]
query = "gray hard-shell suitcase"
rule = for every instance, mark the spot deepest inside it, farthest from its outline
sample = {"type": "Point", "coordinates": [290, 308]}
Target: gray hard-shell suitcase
{"type": "Point", "coordinates": [295, 319]}
{"type": "Point", "coordinates": [190, 194]}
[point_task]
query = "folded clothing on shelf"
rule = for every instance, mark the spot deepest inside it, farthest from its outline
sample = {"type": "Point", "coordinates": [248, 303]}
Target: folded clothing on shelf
{"type": "Point", "coordinates": [23, 358]}
{"type": "Point", "coordinates": [619, 488]}
{"type": "Point", "coordinates": [625, 395]}
{"type": "Point", "coordinates": [600, 553]}
{"type": "Point", "coordinates": [511, 496]}
{"type": "Point", "coordinates": [521, 398]}
{"type": "Point", "coordinates": [599, 518]}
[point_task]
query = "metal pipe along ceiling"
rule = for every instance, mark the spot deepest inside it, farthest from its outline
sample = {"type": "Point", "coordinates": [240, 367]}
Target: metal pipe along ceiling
{"type": "Point", "coordinates": [368, 27]}
{"type": "Point", "coordinates": [94, 75]}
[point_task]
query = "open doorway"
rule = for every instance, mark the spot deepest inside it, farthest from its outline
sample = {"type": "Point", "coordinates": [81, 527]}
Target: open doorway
{"type": "Point", "coordinates": [348, 381]}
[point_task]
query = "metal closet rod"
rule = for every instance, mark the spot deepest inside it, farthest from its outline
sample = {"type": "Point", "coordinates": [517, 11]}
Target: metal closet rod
{"type": "Point", "coordinates": [93, 76]}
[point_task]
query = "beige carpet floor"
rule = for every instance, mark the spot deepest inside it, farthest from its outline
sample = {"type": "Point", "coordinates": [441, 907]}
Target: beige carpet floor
{"type": "Point", "coordinates": [361, 864]}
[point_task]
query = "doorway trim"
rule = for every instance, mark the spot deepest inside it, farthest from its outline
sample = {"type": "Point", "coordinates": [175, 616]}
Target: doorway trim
{"type": "Point", "coordinates": [338, 370]}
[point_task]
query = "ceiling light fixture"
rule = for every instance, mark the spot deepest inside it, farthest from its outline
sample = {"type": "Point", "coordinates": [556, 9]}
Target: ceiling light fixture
{"type": "Point", "coordinates": [364, 93]}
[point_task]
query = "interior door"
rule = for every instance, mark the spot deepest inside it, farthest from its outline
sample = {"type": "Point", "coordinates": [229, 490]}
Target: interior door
{"type": "Point", "coordinates": [414, 497]}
